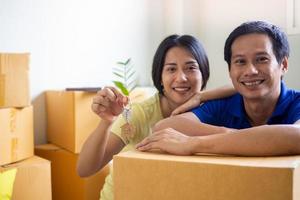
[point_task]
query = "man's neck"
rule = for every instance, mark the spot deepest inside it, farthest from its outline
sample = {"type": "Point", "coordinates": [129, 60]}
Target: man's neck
{"type": "Point", "coordinates": [260, 110]}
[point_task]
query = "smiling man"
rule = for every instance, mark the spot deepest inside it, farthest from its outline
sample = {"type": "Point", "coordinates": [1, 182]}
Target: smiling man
{"type": "Point", "coordinates": [262, 119]}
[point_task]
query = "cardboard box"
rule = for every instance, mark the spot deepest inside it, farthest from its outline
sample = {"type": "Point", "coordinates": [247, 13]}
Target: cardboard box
{"type": "Point", "coordinates": [16, 134]}
{"type": "Point", "coordinates": [146, 176]}
{"type": "Point", "coordinates": [32, 180]}
{"type": "Point", "coordinates": [70, 119]}
{"type": "Point", "coordinates": [14, 80]}
{"type": "Point", "coordinates": [66, 184]}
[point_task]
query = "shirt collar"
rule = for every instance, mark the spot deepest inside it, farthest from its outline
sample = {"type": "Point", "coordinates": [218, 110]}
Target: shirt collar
{"type": "Point", "coordinates": [281, 104]}
{"type": "Point", "coordinates": [238, 110]}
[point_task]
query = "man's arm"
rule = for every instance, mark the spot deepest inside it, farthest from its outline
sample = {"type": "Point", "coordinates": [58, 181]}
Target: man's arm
{"type": "Point", "coordinates": [267, 140]}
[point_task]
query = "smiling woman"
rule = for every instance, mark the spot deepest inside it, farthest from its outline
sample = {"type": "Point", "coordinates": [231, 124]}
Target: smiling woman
{"type": "Point", "coordinates": [180, 70]}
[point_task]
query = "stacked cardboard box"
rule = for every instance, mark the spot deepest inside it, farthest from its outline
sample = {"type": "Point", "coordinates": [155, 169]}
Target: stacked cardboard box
{"type": "Point", "coordinates": [66, 184]}
{"type": "Point", "coordinates": [69, 123]}
{"type": "Point", "coordinates": [16, 132]}
{"type": "Point", "coordinates": [70, 120]}
{"type": "Point", "coordinates": [32, 180]}
{"type": "Point", "coordinates": [14, 80]}
{"type": "Point", "coordinates": [151, 176]}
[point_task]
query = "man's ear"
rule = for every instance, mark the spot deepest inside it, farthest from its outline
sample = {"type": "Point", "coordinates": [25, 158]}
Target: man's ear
{"type": "Point", "coordinates": [284, 65]}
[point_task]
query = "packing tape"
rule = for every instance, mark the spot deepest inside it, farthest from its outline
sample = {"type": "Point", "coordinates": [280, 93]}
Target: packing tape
{"type": "Point", "coordinates": [2, 90]}
{"type": "Point", "coordinates": [14, 139]}
{"type": "Point", "coordinates": [14, 149]}
{"type": "Point", "coordinates": [12, 120]}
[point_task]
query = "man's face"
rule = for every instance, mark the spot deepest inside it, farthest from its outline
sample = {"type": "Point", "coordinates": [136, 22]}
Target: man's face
{"type": "Point", "coordinates": [254, 70]}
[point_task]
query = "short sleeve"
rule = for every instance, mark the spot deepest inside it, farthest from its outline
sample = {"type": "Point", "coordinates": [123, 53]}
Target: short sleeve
{"type": "Point", "coordinates": [207, 112]}
{"type": "Point", "coordinates": [294, 113]}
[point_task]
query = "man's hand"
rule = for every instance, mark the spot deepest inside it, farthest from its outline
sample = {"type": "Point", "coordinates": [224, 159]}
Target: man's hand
{"type": "Point", "coordinates": [167, 140]}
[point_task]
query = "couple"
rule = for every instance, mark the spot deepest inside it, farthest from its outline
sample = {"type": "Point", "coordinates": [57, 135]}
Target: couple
{"type": "Point", "coordinates": [262, 118]}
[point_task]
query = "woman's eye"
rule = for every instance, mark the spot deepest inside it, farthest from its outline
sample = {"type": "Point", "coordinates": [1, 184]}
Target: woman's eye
{"type": "Point", "coordinates": [239, 61]}
{"type": "Point", "coordinates": [171, 69]}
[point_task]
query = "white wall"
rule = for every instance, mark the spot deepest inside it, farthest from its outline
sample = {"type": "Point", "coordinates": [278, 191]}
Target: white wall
{"type": "Point", "coordinates": [75, 43]}
{"type": "Point", "coordinates": [213, 20]}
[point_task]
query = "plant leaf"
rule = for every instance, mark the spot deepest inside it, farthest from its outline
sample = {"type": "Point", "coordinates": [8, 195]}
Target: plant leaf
{"type": "Point", "coordinates": [130, 75]}
{"type": "Point", "coordinates": [117, 74]}
{"type": "Point", "coordinates": [132, 83]}
{"type": "Point", "coordinates": [120, 63]}
{"type": "Point", "coordinates": [128, 60]}
{"type": "Point", "coordinates": [118, 70]}
{"type": "Point", "coordinates": [121, 86]}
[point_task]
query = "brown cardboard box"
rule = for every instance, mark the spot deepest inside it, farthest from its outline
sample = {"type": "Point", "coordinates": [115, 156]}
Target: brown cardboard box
{"type": "Point", "coordinates": [32, 180]}
{"type": "Point", "coordinates": [66, 184]}
{"type": "Point", "coordinates": [146, 176]}
{"type": "Point", "coordinates": [70, 118]}
{"type": "Point", "coordinates": [14, 80]}
{"type": "Point", "coordinates": [16, 134]}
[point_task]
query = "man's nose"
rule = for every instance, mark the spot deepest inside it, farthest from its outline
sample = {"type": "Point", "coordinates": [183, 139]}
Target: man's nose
{"type": "Point", "coordinates": [251, 69]}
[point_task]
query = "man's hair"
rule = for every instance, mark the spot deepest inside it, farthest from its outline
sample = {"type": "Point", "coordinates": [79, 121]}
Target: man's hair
{"type": "Point", "coordinates": [278, 38]}
{"type": "Point", "coordinates": [187, 42]}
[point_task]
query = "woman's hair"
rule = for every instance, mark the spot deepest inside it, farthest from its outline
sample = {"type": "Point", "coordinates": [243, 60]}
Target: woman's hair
{"type": "Point", "coordinates": [187, 42]}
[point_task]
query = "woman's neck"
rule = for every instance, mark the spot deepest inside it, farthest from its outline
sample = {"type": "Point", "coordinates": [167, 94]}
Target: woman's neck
{"type": "Point", "coordinates": [167, 107]}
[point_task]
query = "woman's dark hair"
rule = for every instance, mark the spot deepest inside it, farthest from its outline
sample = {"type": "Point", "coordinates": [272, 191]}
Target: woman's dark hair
{"type": "Point", "coordinates": [188, 42]}
{"type": "Point", "coordinates": [278, 38]}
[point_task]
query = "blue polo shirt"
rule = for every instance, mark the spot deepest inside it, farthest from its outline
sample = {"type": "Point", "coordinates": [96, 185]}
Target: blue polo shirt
{"type": "Point", "coordinates": [230, 112]}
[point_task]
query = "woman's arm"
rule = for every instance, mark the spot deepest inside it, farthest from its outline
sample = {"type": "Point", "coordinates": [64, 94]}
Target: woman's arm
{"type": "Point", "coordinates": [189, 124]}
{"type": "Point", "coordinates": [203, 96]}
{"type": "Point", "coordinates": [101, 145]}
{"type": "Point", "coordinates": [98, 150]}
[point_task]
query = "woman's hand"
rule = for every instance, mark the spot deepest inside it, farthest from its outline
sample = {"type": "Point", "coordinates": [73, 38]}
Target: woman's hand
{"type": "Point", "coordinates": [109, 103]}
{"type": "Point", "coordinates": [167, 140]}
{"type": "Point", "coordinates": [193, 102]}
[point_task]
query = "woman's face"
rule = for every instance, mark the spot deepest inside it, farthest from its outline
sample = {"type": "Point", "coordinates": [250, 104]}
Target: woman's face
{"type": "Point", "coordinates": [181, 76]}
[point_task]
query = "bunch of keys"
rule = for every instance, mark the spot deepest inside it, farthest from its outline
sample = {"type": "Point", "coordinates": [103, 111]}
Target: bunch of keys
{"type": "Point", "coordinates": [127, 130]}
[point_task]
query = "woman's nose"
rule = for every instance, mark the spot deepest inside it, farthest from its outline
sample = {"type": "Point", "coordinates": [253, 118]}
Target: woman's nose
{"type": "Point", "coordinates": [181, 76]}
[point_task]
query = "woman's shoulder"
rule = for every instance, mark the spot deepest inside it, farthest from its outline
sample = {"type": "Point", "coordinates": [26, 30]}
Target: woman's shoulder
{"type": "Point", "coordinates": [149, 106]}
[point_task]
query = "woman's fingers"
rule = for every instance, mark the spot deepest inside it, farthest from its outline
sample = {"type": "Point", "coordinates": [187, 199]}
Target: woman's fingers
{"type": "Point", "coordinates": [187, 106]}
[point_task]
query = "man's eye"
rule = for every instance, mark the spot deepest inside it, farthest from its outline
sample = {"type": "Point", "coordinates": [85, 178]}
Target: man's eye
{"type": "Point", "coordinates": [262, 59]}
{"type": "Point", "coordinates": [192, 67]}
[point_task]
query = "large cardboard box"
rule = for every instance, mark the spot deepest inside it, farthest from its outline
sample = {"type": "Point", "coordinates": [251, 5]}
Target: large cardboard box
{"type": "Point", "coordinates": [32, 180]}
{"type": "Point", "coordinates": [16, 134]}
{"type": "Point", "coordinates": [14, 80]}
{"type": "Point", "coordinates": [70, 119]}
{"type": "Point", "coordinates": [66, 184]}
{"type": "Point", "coordinates": [146, 176]}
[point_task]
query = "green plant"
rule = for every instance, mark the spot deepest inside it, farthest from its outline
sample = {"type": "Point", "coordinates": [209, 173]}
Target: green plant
{"type": "Point", "coordinates": [125, 74]}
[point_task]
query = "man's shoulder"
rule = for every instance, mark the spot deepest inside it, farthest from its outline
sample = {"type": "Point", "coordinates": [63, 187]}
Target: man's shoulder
{"type": "Point", "coordinates": [295, 94]}
{"type": "Point", "coordinates": [230, 100]}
